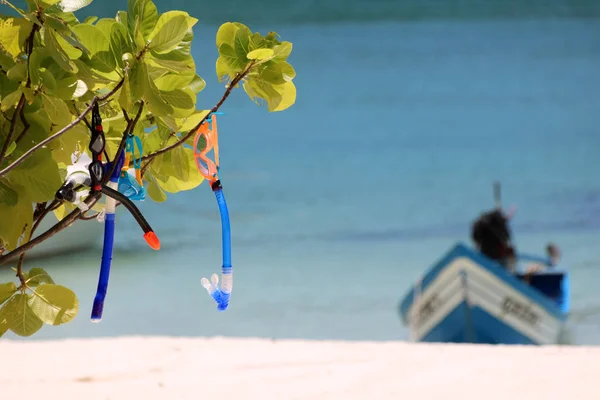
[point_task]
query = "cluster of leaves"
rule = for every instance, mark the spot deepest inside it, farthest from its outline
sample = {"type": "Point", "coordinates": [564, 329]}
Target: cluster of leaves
{"type": "Point", "coordinates": [53, 66]}
{"type": "Point", "coordinates": [38, 301]}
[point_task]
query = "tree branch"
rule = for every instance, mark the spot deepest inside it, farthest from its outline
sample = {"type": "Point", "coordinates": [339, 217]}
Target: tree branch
{"type": "Point", "coordinates": [90, 200]}
{"type": "Point", "coordinates": [192, 131]}
{"type": "Point", "coordinates": [13, 124]}
{"type": "Point", "coordinates": [60, 132]}
{"type": "Point", "coordinates": [59, 226]}
{"type": "Point", "coordinates": [40, 213]}
{"type": "Point", "coordinates": [21, 104]}
{"type": "Point", "coordinates": [25, 124]}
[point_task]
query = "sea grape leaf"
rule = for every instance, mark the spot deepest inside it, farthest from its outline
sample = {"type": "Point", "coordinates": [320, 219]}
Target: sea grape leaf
{"type": "Point", "coordinates": [54, 304]}
{"type": "Point", "coordinates": [6, 291]}
{"type": "Point", "coordinates": [20, 317]}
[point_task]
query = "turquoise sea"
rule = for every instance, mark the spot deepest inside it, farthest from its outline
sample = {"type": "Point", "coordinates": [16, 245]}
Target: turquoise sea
{"type": "Point", "coordinates": [406, 113]}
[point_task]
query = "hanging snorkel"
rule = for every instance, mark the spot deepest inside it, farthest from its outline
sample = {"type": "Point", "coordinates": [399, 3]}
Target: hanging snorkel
{"type": "Point", "coordinates": [206, 140]}
{"type": "Point", "coordinates": [93, 178]}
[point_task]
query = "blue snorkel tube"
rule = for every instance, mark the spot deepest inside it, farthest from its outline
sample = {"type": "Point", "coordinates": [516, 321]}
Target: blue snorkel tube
{"type": "Point", "coordinates": [221, 295]}
{"type": "Point", "coordinates": [109, 238]}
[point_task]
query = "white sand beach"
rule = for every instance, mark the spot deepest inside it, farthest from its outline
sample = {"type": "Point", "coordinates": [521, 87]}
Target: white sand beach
{"type": "Point", "coordinates": [143, 368]}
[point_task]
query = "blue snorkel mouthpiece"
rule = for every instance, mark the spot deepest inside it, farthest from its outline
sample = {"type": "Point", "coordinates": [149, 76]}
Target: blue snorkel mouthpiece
{"type": "Point", "coordinates": [221, 294]}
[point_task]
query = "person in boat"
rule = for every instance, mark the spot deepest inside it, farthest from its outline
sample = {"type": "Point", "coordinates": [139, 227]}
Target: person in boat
{"type": "Point", "coordinates": [492, 237]}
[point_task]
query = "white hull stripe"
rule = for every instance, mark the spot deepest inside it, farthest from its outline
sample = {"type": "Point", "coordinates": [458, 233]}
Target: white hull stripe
{"type": "Point", "coordinates": [486, 291]}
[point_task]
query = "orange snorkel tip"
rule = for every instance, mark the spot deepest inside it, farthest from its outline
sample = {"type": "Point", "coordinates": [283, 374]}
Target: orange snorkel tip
{"type": "Point", "coordinates": [152, 240]}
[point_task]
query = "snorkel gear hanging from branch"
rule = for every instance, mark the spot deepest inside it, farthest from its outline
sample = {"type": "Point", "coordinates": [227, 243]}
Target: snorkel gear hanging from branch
{"type": "Point", "coordinates": [131, 185]}
{"type": "Point", "coordinates": [93, 178]}
{"type": "Point", "coordinates": [207, 139]}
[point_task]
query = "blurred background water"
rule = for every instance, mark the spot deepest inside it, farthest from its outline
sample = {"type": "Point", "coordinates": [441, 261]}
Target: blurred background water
{"type": "Point", "coordinates": [406, 113]}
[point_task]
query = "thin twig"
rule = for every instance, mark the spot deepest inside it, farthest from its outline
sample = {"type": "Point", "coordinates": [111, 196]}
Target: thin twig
{"type": "Point", "coordinates": [192, 131]}
{"type": "Point", "coordinates": [51, 207]}
{"type": "Point", "coordinates": [87, 123]}
{"type": "Point", "coordinates": [11, 130]}
{"type": "Point", "coordinates": [21, 104]}
{"type": "Point", "coordinates": [25, 124]}
{"type": "Point", "coordinates": [88, 217]}
{"type": "Point", "coordinates": [59, 226]}
{"type": "Point", "coordinates": [42, 210]}
{"type": "Point", "coordinates": [19, 273]}
{"type": "Point", "coordinates": [63, 130]}
{"type": "Point", "coordinates": [20, 264]}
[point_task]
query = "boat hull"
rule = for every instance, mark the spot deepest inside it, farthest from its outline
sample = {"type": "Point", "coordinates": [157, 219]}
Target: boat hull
{"type": "Point", "coordinates": [468, 298]}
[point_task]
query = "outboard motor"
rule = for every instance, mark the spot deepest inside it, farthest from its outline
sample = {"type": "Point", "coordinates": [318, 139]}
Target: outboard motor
{"type": "Point", "coordinates": [492, 236]}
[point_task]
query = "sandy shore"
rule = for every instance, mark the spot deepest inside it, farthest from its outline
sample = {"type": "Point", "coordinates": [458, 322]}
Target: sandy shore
{"type": "Point", "coordinates": [195, 368]}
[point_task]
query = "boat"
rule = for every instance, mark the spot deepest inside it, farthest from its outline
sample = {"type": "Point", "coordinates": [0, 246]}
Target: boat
{"type": "Point", "coordinates": [472, 295]}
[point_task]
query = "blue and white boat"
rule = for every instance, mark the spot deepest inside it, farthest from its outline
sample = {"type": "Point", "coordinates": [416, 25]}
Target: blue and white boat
{"type": "Point", "coordinates": [467, 297]}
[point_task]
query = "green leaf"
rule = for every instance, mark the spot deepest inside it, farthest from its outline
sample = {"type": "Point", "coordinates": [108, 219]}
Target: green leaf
{"type": "Point", "coordinates": [105, 26]}
{"type": "Point", "coordinates": [125, 95]}
{"type": "Point", "coordinates": [71, 51]}
{"type": "Point", "coordinates": [73, 5]}
{"type": "Point", "coordinates": [231, 59]}
{"type": "Point", "coordinates": [226, 34]}
{"type": "Point", "coordinates": [50, 83]}
{"type": "Point", "coordinates": [182, 101]}
{"type": "Point", "coordinates": [261, 54]}
{"type": "Point", "coordinates": [177, 172]}
{"type": "Point", "coordinates": [3, 321]}
{"type": "Point", "coordinates": [272, 82]}
{"type": "Point", "coordinates": [172, 81]}
{"type": "Point", "coordinates": [21, 215]}
{"type": "Point", "coordinates": [137, 81]}
{"type": "Point", "coordinates": [11, 100]}
{"type": "Point", "coordinates": [282, 51]}
{"type": "Point", "coordinates": [57, 110]}
{"type": "Point", "coordinates": [197, 84]}
{"type": "Point", "coordinates": [72, 140]}
{"type": "Point", "coordinates": [39, 176]}
{"type": "Point", "coordinates": [54, 304]}
{"type": "Point", "coordinates": [63, 210]}
{"type": "Point", "coordinates": [170, 30]}
{"type": "Point", "coordinates": [11, 147]}
{"type": "Point", "coordinates": [156, 103]}
{"type": "Point", "coordinates": [191, 121]}
{"type": "Point", "coordinates": [138, 38]}
{"type": "Point", "coordinates": [48, 2]}
{"type": "Point", "coordinates": [145, 12]}
{"type": "Point", "coordinates": [175, 61]}
{"type": "Point", "coordinates": [6, 291]}
{"type": "Point", "coordinates": [35, 61]}
{"type": "Point", "coordinates": [121, 18]}
{"type": "Point", "coordinates": [6, 61]}
{"type": "Point", "coordinates": [8, 195]}
{"type": "Point", "coordinates": [57, 24]}
{"type": "Point", "coordinates": [90, 20]}
{"type": "Point", "coordinates": [57, 52]}
{"type": "Point", "coordinates": [18, 72]}
{"type": "Point", "coordinates": [120, 43]}
{"type": "Point", "coordinates": [288, 97]}
{"type": "Point", "coordinates": [154, 190]}
{"type": "Point", "coordinates": [38, 276]}
{"type": "Point", "coordinates": [13, 34]}
{"type": "Point", "coordinates": [20, 317]}
{"type": "Point", "coordinates": [98, 45]}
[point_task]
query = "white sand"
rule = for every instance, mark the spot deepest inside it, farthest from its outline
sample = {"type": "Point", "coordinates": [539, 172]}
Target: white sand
{"type": "Point", "coordinates": [248, 369]}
